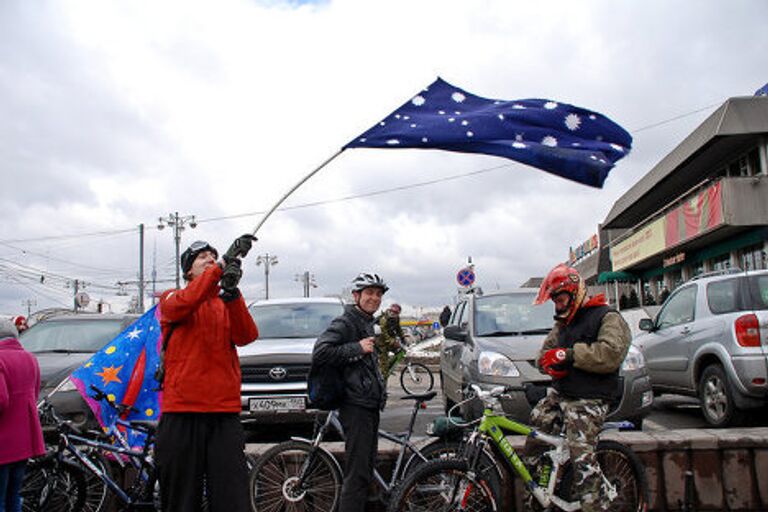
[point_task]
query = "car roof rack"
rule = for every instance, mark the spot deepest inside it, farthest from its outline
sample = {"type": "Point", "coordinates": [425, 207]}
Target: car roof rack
{"type": "Point", "coordinates": [723, 272]}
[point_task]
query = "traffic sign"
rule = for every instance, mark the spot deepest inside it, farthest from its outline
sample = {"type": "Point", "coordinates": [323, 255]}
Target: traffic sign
{"type": "Point", "coordinates": [465, 277]}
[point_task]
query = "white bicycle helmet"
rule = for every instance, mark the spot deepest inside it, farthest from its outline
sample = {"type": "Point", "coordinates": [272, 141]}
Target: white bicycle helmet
{"type": "Point", "coordinates": [368, 280]}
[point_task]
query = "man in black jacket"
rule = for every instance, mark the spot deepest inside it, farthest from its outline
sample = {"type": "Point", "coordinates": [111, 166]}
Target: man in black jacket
{"type": "Point", "coordinates": [349, 343]}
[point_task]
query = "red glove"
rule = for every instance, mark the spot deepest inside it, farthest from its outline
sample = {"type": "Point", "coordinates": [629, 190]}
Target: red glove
{"type": "Point", "coordinates": [555, 362]}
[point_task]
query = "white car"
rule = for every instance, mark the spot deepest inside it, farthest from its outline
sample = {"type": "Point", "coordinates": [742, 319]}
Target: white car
{"type": "Point", "coordinates": [275, 367]}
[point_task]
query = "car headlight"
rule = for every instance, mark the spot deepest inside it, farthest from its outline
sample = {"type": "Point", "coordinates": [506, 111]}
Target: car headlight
{"type": "Point", "coordinates": [634, 359]}
{"type": "Point", "coordinates": [497, 365]}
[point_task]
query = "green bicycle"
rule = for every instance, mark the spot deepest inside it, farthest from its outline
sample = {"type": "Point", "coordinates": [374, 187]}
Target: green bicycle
{"type": "Point", "coordinates": [460, 484]}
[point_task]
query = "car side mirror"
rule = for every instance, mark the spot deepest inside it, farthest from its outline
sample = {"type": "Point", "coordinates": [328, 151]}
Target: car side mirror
{"type": "Point", "coordinates": [646, 324]}
{"type": "Point", "coordinates": [456, 333]}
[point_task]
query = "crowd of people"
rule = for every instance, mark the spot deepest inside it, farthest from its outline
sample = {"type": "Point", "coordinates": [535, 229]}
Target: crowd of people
{"type": "Point", "coordinates": [200, 440]}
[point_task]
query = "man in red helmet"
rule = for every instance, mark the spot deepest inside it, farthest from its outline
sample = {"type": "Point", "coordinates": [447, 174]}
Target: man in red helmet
{"type": "Point", "coordinates": [582, 353]}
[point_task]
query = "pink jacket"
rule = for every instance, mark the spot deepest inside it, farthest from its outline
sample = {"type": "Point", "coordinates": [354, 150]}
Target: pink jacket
{"type": "Point", "coordinates": [20, 434]}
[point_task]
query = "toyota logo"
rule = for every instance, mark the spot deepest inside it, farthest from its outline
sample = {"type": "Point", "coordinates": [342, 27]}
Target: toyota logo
{"type": "Point", "coordinates": [277, 373]}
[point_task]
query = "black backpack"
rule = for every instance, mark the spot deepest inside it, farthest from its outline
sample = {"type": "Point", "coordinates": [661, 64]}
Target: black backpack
{"type": "Point", "coordinates": [326, 387]}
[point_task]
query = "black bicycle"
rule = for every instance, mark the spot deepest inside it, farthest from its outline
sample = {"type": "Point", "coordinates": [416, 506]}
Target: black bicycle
{"type": "Point", "coordinates": [301, 474]}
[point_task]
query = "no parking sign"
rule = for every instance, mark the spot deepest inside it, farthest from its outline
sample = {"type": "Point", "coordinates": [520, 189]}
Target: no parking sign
{"type": "Point", "coordinates": [465, 277]}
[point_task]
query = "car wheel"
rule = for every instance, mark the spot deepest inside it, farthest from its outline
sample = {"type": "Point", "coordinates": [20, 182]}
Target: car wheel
{"type": "Point", "coordinates": [717, 402]}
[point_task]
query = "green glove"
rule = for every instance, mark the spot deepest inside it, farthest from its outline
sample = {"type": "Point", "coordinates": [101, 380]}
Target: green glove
{"type": "Point", "coordinates": [230, 276]}
{"type": "Point", "coordinates": [240, 247]}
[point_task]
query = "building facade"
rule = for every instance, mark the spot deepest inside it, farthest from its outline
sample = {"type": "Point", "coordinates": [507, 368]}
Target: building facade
{"type": "Point", "coordinates": [702, 208]}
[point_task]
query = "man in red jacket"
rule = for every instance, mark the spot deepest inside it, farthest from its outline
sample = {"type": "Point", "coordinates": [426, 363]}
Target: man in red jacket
{"type": "Point", "coordinates": [200, 438]}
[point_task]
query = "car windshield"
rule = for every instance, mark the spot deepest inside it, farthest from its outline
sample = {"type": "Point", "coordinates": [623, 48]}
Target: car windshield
{"type": "Point", "coordinates": [512, 314]}
{"type": "Point", "coordinates": [294, 320]}
{"type": "Point", "coordinates": [758, 287]}
{"type": "Point", "coordinates": [75, 335]}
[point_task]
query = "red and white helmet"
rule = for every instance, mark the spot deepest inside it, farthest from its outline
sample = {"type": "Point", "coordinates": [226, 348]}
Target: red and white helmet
{"type": "Point", "coordinates": [563, 279]}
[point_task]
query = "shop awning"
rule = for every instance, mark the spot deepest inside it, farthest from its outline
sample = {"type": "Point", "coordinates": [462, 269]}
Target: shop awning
{"type": "Point", "coordinates": [610, 277]}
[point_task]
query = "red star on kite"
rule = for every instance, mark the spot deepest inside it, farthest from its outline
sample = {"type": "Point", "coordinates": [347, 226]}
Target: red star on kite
{"type": "Point", "coordinates": [110, 374]}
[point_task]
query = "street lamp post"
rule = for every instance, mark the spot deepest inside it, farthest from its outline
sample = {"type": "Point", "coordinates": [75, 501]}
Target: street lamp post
{"type": "Point", "coordinates": [267, 261]}
{"type": "Point", "coordinates": [177, 223]}
{"type": "Point", "coordinates": [307, 280]}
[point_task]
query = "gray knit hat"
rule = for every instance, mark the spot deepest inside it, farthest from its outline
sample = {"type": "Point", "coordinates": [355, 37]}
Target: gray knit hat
{"type": "Point", "coordinates": [8, 329]}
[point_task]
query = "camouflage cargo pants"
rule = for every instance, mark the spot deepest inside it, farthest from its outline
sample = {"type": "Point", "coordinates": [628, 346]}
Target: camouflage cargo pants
{"type": "Point", "coordinates": [580, 420]}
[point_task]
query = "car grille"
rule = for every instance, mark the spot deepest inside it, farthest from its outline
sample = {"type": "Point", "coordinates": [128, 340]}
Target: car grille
{"type": "Point", "coordinates": [271, 373]}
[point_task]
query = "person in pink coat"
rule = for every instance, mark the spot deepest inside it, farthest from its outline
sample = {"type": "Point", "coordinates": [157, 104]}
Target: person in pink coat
{"type": "Point", "coordinates": [21, 436]}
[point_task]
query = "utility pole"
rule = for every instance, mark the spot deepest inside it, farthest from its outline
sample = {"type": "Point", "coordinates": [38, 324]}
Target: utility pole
{"type": "Point", "coordinates": [141, 268]}
{"type": "Point", "coordinates": [307, 280]}
{"type": "Point", "coordinates": [28, 303]}
{"type": "Point", "coordinates": [177, 223]}
{"type": "Point", "coordinates": [267, 261]}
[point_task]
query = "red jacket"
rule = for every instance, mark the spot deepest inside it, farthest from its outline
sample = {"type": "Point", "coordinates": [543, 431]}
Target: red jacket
{"type": "Point", "coordinates": [202, 371]}
{"type": "Point", "coordinates": [20, 433]}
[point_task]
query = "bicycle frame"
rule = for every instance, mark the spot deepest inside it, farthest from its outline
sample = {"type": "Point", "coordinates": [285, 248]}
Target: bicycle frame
{"type": "Point", "coordinates": [404, 440]}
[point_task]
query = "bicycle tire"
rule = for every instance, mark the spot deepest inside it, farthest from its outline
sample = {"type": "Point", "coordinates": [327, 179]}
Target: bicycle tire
{"type": "Point", "coordinates": [98, 496]}
{"type": "Point", "coordinates": [441, 449]}
{"type": "Point", "coordinates": [416, 379]}
{"type": "Point", "coordinates": [273, 479]}
{"type": "Point", "coordinates": [443, 485]}
{"type": "Point", "coordinates": [622, 467]}
{"type": "Point", "coordinates": [53, 485]}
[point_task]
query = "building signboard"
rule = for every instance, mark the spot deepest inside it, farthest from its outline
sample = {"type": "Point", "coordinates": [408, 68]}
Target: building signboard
{"type": "Point", "coordinates": [696, 215]}
{"type": "Point", "coordinates": [641, 245]}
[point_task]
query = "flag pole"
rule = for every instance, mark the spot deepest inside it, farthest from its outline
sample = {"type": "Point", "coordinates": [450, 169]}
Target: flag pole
{"type": "Point", "coordinates": [293, 189]}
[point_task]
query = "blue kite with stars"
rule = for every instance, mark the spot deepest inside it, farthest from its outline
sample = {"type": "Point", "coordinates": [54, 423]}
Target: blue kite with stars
{"type": "Point", "coordinates": [125, 370]}
{"type": "Point", "coordinates": [568, 141]}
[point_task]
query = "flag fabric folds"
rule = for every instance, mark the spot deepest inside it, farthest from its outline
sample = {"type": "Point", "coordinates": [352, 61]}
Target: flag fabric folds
{"type": "Point", "coordinates": [562, 139]}
{"type": "Point", "coordinates": [125, 370]}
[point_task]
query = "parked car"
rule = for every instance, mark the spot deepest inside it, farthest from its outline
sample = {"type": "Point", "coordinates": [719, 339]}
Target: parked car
{"type": "Point", "coordinates": [63, 343]}
{"type": "Point", "coordinates": [494, 339]}
{"type": "Point", "coordinates": [710, 339]}
{"type": "Point", "coordinates": [275, 367]}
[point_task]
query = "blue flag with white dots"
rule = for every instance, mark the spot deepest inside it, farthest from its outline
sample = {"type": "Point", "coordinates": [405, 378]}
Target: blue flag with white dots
{"type": "Point", "coordinates": [562, 139]}
{"type": "Point", "coordinates": [124, 369]}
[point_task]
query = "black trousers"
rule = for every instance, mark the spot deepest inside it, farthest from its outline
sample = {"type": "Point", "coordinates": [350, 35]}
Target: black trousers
{"type": "Point", "coordinates": [192, 448]}
{"type": "Point", "coordinates": [361, 427]}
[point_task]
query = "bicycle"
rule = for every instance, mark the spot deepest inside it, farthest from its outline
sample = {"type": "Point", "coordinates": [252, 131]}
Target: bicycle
{"type": "Point", "coordinates": [72, 460]}
{"type": "Point", "coordinates": [415, 378]}
{"type": "Point", "coordinates": [460, 484]}
{"type": "Point", "coordinates": [301, 474]}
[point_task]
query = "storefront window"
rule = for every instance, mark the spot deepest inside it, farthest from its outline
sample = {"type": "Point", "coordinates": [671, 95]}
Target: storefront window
{"type": "Point", "coordinates": [697, 268]}
{"type": "Point", "coordinates": [722, 262]}
{"type": "Point", "coordinates": [753, 258]}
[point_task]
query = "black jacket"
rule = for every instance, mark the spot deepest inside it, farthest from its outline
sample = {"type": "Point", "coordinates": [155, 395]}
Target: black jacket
{"type": "Point", "coordinates": [581, 383]}
{"type": "Point", "coordinates": [338, 346]}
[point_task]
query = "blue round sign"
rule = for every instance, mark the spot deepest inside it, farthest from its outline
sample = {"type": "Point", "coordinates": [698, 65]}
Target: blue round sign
{"type": "Point", "coordinates": [465, 277]}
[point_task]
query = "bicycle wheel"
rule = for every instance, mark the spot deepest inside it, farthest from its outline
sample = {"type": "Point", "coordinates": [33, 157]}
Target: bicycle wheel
{"type": "Point", "coordinates": [443, 485]}
{"type": "Point", "coordinates": [624, 471]}
{"type": "Point", "coordinates": [98, 497]}
{"type": "Point", "coordinates": [52, 485]}
{"type": "Point", "coordinates": [416, 379]}
{"type": "Point", "coordinates": [293, 476]}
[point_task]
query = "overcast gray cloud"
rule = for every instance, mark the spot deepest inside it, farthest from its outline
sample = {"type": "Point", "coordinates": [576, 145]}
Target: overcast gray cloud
{"type": "Point", "coordinates": [114, 114]}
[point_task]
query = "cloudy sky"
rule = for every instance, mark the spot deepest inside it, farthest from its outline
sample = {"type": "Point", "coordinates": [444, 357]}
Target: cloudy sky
{"type": "Point", "coordinates": [113, 114]}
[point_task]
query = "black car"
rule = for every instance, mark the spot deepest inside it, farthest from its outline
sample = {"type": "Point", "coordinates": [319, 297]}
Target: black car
{"type": "Point", "coordinates": [63, 343]}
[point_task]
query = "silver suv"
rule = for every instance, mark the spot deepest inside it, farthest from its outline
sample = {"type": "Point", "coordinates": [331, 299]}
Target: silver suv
{"type": "Point", "coordinates": [709, 340]}
{"type": "Point", "coordinates": [275, 367]}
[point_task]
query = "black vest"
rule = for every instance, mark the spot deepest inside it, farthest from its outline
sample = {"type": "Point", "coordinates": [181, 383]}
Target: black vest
{"type": "Point", "coordinates": [580, 383]}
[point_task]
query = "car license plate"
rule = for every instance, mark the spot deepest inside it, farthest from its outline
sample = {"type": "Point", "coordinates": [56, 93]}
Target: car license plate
{"type": "Point", "coordinates": [289, 403]}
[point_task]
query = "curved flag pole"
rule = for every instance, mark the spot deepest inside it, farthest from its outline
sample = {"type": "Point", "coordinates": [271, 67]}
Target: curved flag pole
{"type": "Point", "coordinates": [293, 189]}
